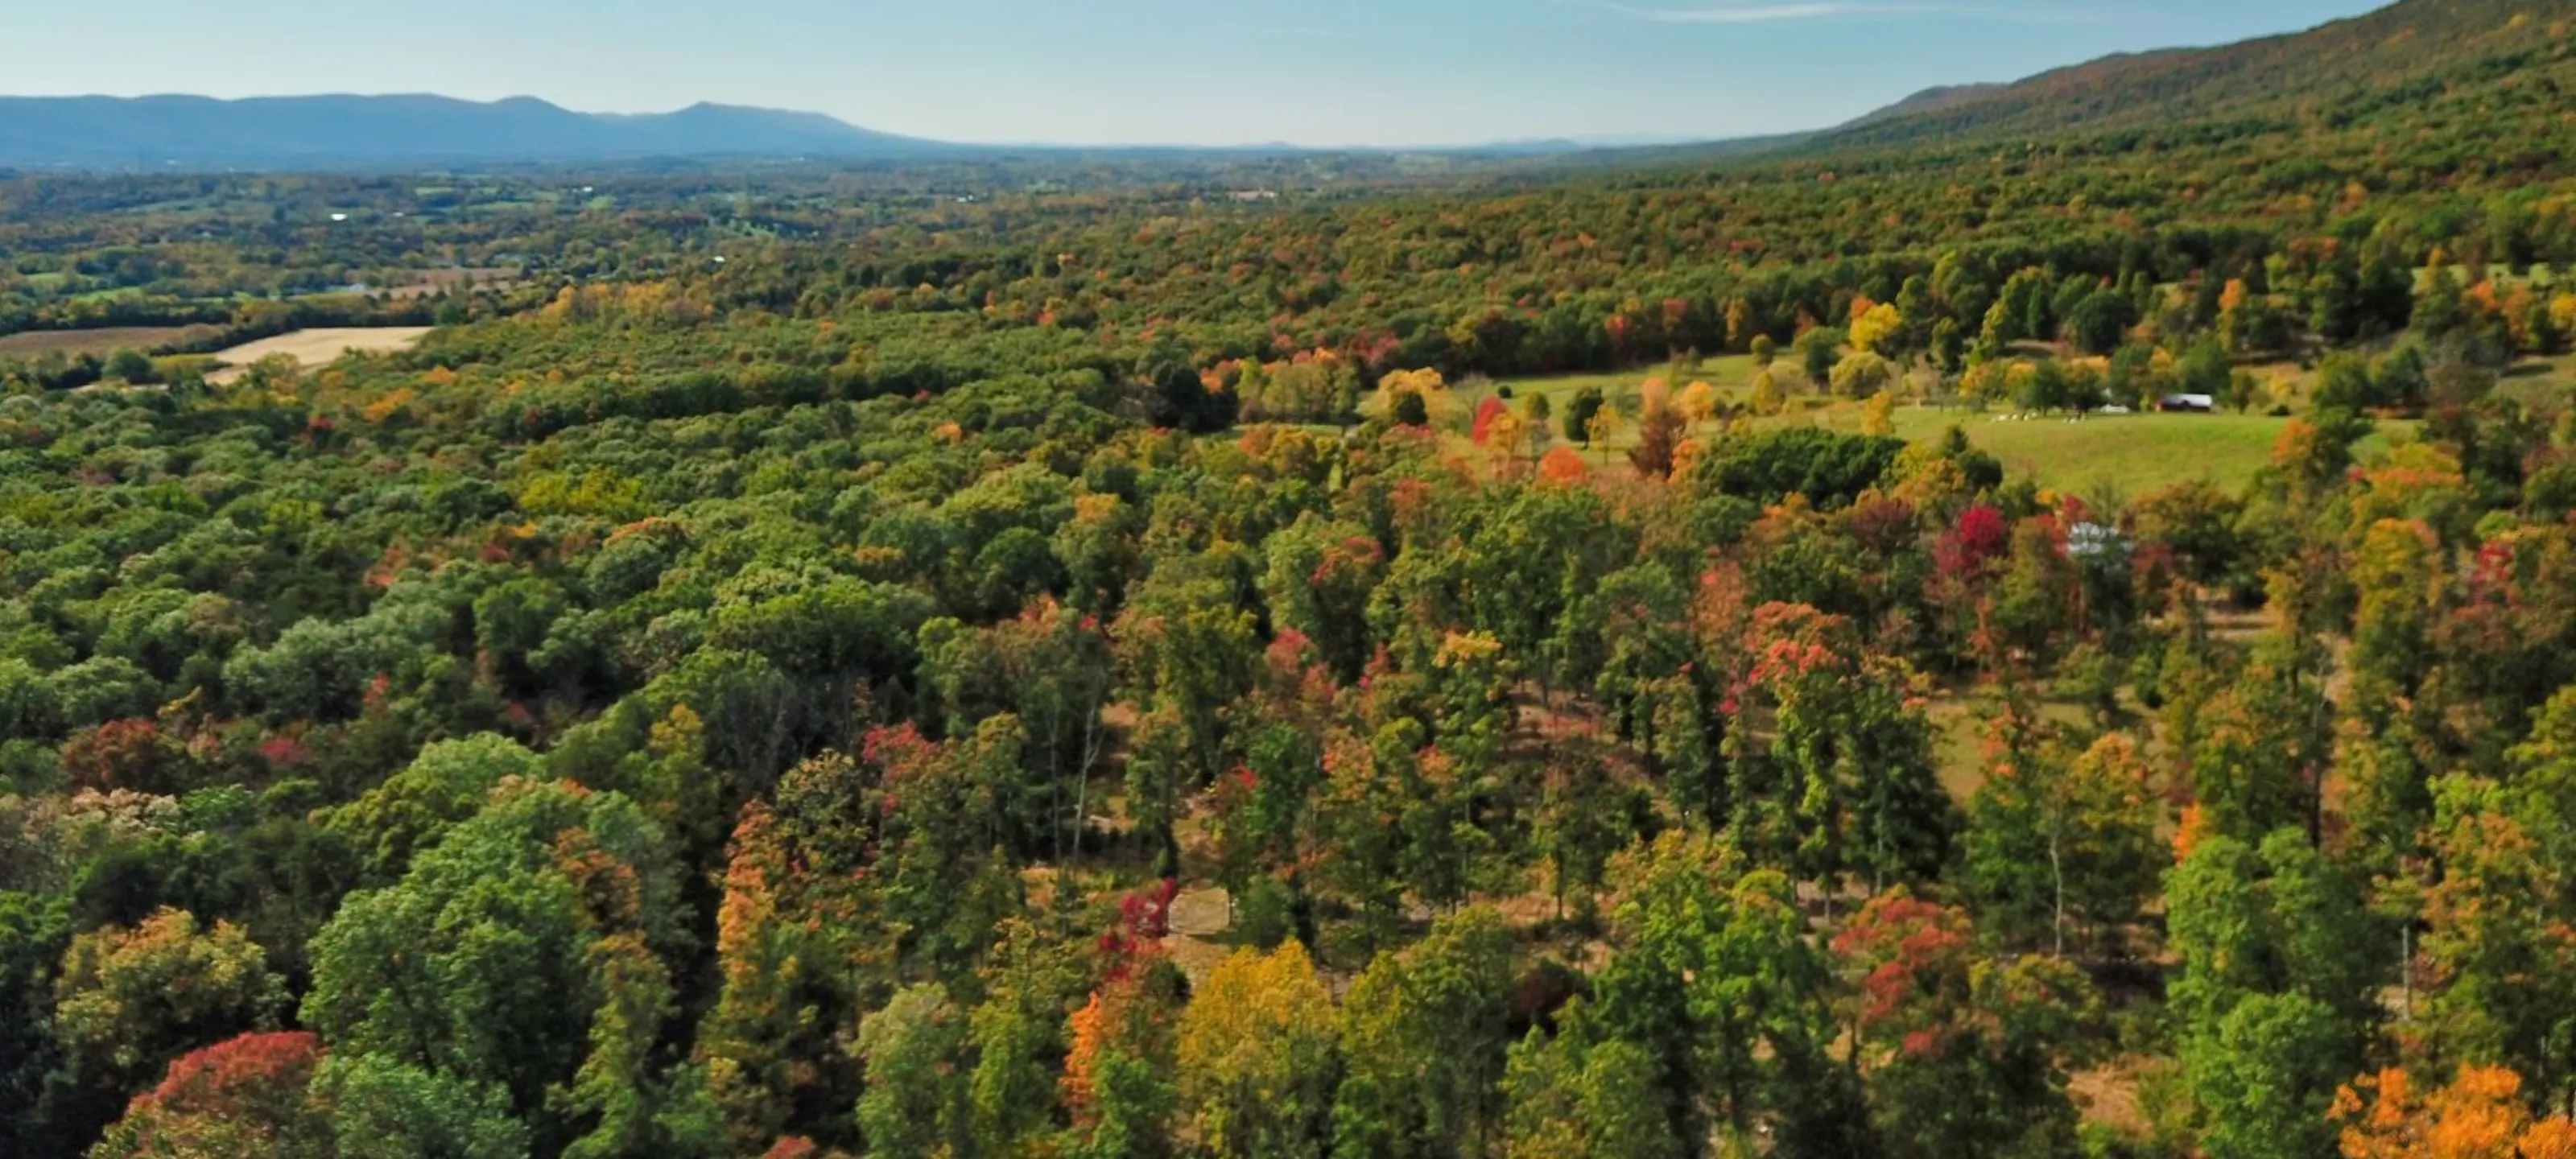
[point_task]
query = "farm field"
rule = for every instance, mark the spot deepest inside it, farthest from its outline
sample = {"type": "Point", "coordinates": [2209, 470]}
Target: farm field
{"type": "Point", "coordinates": [310, 348]}
{"type": "Point", "coordinates": [2131, 454]}
{"type": "Point", "coordinates": [37, 343]}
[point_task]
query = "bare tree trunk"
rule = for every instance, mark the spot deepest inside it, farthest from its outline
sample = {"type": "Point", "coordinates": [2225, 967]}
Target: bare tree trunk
{"type": "Point", "coordinates": [1090, 756]}
{"type": "Point", "coordinates": [2057, 873]}
{"type": "Point", "coordinates": [1055, 781]}
{"type": "Point", "coordinates": [2406, 968]}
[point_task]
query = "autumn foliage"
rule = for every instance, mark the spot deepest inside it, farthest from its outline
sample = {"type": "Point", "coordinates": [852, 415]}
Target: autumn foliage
{"type": "Point", "coordinates": [2480, 1114]}
{"type": "Point", "coordinates": [243, 1098]}
{"type": "Point", "coordinates": [1563, 467]}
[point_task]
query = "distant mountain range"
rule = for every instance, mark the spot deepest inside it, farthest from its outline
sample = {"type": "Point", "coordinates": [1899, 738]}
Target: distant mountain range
{"type": "Point", "coordinates": [347, 131]}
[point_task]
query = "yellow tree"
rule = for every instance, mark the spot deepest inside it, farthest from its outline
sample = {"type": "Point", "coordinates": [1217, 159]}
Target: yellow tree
{"type": "Point", "coordinates": [1874, 328]}
{"type": "Point", "coordinates": [1768, 398]}
{"type": "Point", "coordinates": [1604, 427]}
{"type": "Point", "coordinates": [1699, 403]}
{"type": "Point", "coordinates": [129, 1000]}
{"type": "Point", "coordinates": [2481, 1115]}
{"type": "Point", "coordinates": [1509, 436]}
{"type": "Point", "coordinates": [1433, 390]}
{"type": "Point", "coordinates": [2234, 327]}
{"type": "Point", "coordinates": [1862, 375]}
{"type": "Point", "coordinates": [1256, 1055]}
{"type": "Point", "coordinates": [1878, 415]}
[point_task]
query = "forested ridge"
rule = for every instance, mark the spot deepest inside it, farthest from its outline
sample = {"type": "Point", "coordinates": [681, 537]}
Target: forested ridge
{"type": "Point", "coordinates": [1083, 657]}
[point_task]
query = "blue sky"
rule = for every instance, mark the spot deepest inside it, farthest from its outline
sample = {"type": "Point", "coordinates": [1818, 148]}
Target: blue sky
{"type": "Point", "coordinates": [1315, 72]}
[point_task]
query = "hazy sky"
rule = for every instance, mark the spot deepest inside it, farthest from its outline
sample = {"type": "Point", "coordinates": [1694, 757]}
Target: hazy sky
{"type": "Point", "coordinates": [1316, 72]}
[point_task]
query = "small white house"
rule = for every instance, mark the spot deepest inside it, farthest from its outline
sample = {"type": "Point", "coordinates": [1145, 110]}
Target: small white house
{"type": "Point", "coordinates": [2188, 403]}
{"type": "Point", "coordinates": [2094, 541]}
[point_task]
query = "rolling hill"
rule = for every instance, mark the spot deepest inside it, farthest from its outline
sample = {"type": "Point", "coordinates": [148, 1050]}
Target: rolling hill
{"type": "Point", "coordinates": [2408, 52]}
{"type": "Point", "coordinates": [337, 131]}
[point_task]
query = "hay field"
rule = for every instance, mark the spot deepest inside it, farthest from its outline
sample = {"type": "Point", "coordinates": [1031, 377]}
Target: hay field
{"type": "Point", "coordinates": [319, 347]}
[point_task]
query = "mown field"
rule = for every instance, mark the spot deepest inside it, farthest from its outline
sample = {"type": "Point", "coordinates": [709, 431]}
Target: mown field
{"type": "Point", "coordinates": [2131, 454]}
{"type": "Point", "coordinates": [317, 347]}
{"type": "Point", "coordinates": [2126, 454]}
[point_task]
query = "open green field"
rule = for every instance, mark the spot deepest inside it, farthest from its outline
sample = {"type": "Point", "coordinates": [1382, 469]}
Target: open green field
{"type": "Point", "coordinates": [2129, 453]}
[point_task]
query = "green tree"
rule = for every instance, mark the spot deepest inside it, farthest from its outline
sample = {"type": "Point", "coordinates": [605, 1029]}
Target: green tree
{"type": "Point", "coordinates": [131, 366]}
{"type": "Point", "coordinates": [1862, 374]}
{"type": "Point", "coordinates": [129, 1001]}
{"type": "Point", "coordinates": [2254, 766]}
{"type": "Point", "coordinates": [1583, 818]}
{"type": "Point", "coordinates": [1962, 1056]}
{"type": "Point", "coordinates": [442, 787]}
{"type": "Point", "coordinates": [2103, 321]}
{"type": "Point", "coordinates": [1572, 1095]}
{"type": "Point", "coordinates": [381, 1108]}
{"type": "Point", "coordinates": [2057, 840]}
{"type": "Point", "coordinates": [1186, 644]}
{"type": "Point", "coordinates": [2263, 1076]}
{"type": "Point", "coordinates": [1018, 1039]}
{"type": "Point", "coordinates": [496, 939]}
{"type": "Point", "coordinates": [1846, 782]}
{"type": "Point", "coordinates": [1712, 977]}
{"type": "Point", "coordinates": [915, 1106]}
{"type": "Point", "coordinates": [1818, 351]}
{"type": "Point", "coordinates": [2276, 992]}
{"type": "Point", "coordinates": [2497, 929]}
{"type": "Point", "coordinates": [1588, 402]}
{"type": "Point", "coordinates": [1426, 1033]}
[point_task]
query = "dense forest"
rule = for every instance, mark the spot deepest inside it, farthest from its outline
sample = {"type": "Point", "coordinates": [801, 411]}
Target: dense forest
{"type": "Point", "coordinates": [1080, 657]}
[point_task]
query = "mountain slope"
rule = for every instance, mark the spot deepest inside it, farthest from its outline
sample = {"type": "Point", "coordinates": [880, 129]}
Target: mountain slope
{"type": "Point", "coordinates": [2415, 48]}
{"type": "Point", "coordinates": [355, 130]}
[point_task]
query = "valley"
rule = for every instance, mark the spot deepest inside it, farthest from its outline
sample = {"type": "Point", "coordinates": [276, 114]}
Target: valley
{"type": "Point", "coordinates": [2039, 622]}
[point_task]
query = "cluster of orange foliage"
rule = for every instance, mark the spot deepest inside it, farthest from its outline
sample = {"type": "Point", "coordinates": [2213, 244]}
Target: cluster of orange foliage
{"type": "Point", "coordinates": [2481, 1115]}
